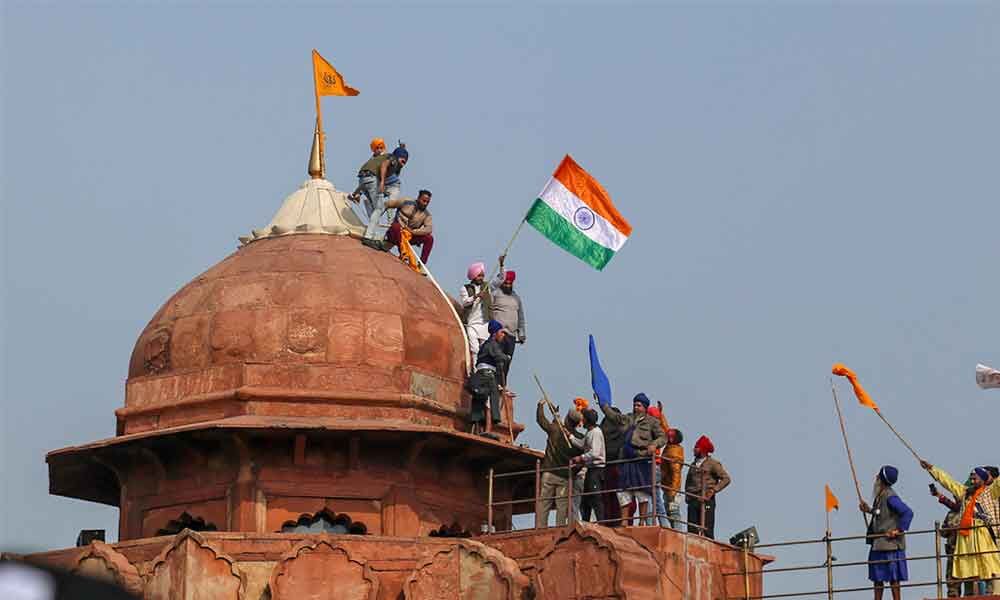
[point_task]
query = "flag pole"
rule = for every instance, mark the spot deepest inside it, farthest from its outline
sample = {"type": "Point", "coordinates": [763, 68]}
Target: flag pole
{"type": "Point", "coordinates": [319, 121]}
{"type": "Point", "coordinates": [901, 438]}
{"type": "Point", "coordinates": [850, 457]}
{"type": "Point", "coordinates": [507, 248]}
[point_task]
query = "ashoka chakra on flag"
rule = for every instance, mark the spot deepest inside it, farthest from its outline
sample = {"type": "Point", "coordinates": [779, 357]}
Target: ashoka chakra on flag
{"type": "Point", "coordinates": [576, 213]}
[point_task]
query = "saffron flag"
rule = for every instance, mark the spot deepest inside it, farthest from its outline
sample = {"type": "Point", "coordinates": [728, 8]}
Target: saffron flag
{"type": "Point", "coordinates": [576, 213]}
{"type": "Point", "coordinates": [831, 501]}
{"type": "Point", "coordinates": [863, 397]}
{"type": "Point", "coordinates": [328, 80]}
{"type": "Point", "coordinates": [598, 380]}
{"type": "Point", "coordinates": [987, 377]}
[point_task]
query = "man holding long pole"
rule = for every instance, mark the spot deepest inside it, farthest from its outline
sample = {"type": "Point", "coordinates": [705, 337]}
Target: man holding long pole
{"type": "Point", "coordinates": [555, 464]}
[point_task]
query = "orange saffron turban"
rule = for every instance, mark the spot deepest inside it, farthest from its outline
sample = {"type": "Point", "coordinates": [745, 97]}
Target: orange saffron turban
{"type": "Point", "coordinates": [580, 404]}
{"type": "Point", "coordinates": [377, 144]}
{"type": "Point", "coordinates": [863, 397]}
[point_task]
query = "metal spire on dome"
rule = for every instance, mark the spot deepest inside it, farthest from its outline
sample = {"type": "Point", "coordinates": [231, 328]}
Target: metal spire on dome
{"type": "Point", "coordinates": [316, 170]}
{"type": "Point", "coordinates": [316, 207]}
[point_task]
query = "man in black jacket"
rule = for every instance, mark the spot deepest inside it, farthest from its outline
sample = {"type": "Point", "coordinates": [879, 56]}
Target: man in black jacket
{"type": "Point", "coordinates": [486, 383]}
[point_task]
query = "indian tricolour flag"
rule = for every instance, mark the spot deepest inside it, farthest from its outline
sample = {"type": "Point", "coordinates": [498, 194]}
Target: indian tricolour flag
{"type": "Point", "coordinates": [576, 213]}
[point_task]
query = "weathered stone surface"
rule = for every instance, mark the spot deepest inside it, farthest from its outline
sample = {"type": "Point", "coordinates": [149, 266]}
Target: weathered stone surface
{"type": "Point", "coordinates": [322, 569]}
{"type": "Point", "coordinates": [466, 571]}
{"type": "Point", "coordinates": [101, 561]}
{"type": "Point", "coordinates": [321, 300]}
{"type": "Point", "coordinates": [425, 567]}
{"type": "Point", "coordinates": [191, 568]}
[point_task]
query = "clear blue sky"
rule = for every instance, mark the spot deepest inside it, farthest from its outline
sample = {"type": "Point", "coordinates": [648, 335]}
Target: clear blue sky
{"type": "Point", "coordinates": [808, 184]}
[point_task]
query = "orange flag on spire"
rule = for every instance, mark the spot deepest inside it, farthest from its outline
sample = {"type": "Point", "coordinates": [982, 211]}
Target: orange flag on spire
{"type": "Point", "coordinates": [863, 397]}
{"type": "Point", "coordinates": [831, 501]}
{"type": "Point", "coordinates": [328, 80]}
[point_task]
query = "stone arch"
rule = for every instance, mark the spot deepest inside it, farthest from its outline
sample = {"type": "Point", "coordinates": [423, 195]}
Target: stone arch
{"type": "Point", "coordinates": [102, 562]}
{"type": "Point", "coordinates": [322, 568]}
{"type": "Point", "coordinates": [591, 561]}
{"type": "Point", "coordinates": [466, 570]}
{"type": "Point", "coordinates": [313, 523]}
{"type": "Point", "coordinates": [192, 568]}
{"type": "Point", "coordinates": [186, 521]}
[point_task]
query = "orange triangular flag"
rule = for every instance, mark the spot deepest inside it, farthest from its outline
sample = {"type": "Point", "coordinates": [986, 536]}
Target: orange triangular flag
{"type": "Point", "coordinates": [863, 397]}
{"type": "Point", "coordinates": [831, 501]}
{"type": "Point", "coordinates": [328, 80]}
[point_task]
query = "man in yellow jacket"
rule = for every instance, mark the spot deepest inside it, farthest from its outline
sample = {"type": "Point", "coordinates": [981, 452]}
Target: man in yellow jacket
{"type": "Point", "coordinates": [976, 557]}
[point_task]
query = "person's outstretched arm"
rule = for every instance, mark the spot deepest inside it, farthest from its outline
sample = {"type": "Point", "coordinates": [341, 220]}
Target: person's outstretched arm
{"type": "Point", "coordinates": [944, 479]}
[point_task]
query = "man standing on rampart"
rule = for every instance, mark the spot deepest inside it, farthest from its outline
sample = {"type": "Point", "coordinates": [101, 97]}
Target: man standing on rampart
{"type": "Point", "coordinates": [706, 478]}
{"type": "Point", "coordinates": [555, 465]}
{"type": "Point", "coordinates": [890, 519]}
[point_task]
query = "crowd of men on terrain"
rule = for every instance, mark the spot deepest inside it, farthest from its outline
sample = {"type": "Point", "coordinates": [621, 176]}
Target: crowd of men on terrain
{"type": "Point", "coordinates": [608, 465]}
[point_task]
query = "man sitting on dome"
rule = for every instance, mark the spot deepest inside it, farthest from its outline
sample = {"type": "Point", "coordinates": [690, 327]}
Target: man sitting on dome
{"type": "Point", "coordinates": [372, 179]}
{"type": "Point", "coordinates": [413, 217]}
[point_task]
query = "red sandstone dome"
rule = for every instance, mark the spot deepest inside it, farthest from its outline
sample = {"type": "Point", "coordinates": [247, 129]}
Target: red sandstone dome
{"type": "Point", "coordinates": [262, 387]}
{"type": "Point", "coordinates": [296, 320]}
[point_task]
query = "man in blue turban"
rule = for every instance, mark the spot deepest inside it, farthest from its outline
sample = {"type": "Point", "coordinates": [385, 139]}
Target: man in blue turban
{"type": "Point", "coordinates": [891, 517]}
{"type": "Point", "coordinates": [487, 381]}
{"type": "Point", "coordinates": [642, 436]}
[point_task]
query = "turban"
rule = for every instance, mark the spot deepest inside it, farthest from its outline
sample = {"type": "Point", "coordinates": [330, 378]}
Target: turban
{"type": "Point", "coordinates": [705, 445]}
{"type": "Point", "coordinates": [401, 152]}
{"type": "Point", "coordinates": [641, 399]}
{"type": "Point", "coordinates": [509, 276]}
{"type": "Point", "coordinates": [654, 412]}
{"type": "Point", "coordinates": [888, 475]}
{"type": "Point", "coordinates": [494, 326]}
{"type": "Point", "coordinates": [983, 473]}
{"type": "Point", "coordinates": [475, 270]}
{"type": "Point", "coordinates": [580, 403]}
{"type": "Point", "coordinates": [377, 144]}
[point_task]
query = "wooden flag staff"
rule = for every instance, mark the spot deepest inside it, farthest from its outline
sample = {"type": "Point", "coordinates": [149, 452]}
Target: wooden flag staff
{"type": "Point", "coordinates": [850, 457]}
{"type": "Point", "coordinates": [901, 438]}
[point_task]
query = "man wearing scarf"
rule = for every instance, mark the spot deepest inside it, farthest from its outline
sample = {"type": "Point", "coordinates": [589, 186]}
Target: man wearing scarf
{"type": "Point", "coordinates": [474, 300]}
{"type": "Point", "coordinates": [643, 435]}
{"type": "Point", "coordinates": [890, 518]}
{"type": "Point", "coordinates": [706, 478]}
{"type": "Point", "coordinates": [974, 535]}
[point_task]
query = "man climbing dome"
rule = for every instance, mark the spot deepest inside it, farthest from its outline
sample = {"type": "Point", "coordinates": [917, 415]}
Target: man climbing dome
{"type": "Point", "coordinates": [372, 178]}
{"type": "Point", "coordinates": [474, 300]}
{"type": "Point", "coordinates": [488, 380]}
{"type": "Point", "coordinates": [508, 309]}
{"type": "Point", "coordinates": [412, 217]}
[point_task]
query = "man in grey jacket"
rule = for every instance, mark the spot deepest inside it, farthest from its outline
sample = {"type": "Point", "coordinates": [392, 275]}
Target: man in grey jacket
{"type": "Point", "coordinates": [507, 308]}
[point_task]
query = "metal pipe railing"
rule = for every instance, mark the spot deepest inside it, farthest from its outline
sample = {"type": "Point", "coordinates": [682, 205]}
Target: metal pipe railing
{"type": "Point", "coordinates": [652, 516]}
{"type": "Point", "coordinates": [941, 578]}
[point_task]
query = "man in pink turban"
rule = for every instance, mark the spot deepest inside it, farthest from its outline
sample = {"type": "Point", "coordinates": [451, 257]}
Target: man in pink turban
{"type": "Point", "coordinates": [474, 299]}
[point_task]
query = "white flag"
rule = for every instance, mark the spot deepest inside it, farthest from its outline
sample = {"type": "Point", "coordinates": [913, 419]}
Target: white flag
{"type": "Point", "coordinates": [987, 377]}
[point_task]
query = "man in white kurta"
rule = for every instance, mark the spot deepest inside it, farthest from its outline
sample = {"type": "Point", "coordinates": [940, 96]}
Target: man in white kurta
{"type": "Point", "coordinates": [475, 300]}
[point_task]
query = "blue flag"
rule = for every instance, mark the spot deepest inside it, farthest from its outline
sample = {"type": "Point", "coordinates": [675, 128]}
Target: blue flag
{"type": "Point", "coordinates": [598, 380]}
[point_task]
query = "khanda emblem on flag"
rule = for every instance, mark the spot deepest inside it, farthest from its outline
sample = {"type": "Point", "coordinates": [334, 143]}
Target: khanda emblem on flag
{"type": "Point", "coordinates": [329, 79]}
